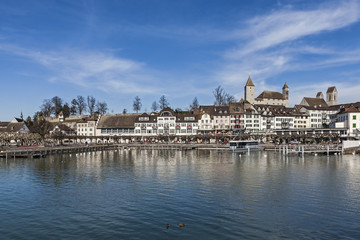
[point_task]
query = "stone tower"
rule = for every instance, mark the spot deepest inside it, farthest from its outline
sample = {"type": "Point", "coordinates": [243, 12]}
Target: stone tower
{"type": "Point", "coordinates": [285, 93]}
{"type": "Point", "coordinates": [331, 96]}
{"type": "Point", "coordinates": [249, 91]}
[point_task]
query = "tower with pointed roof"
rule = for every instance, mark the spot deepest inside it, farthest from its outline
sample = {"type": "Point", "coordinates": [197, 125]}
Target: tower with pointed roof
{"type": "Point", "coordinates": [331, 96]}
{"type": "Point", "coordinates": [286, 93]}
{"type": "Point", "coordinates": [249, 91]}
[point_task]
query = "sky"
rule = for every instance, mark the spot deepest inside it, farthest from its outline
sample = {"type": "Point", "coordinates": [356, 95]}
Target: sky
{"type": "Point", "coordinates": [117, 50]}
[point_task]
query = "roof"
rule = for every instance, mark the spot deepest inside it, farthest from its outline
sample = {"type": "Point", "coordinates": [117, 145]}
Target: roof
{"type": "Point", "coordinates": [214, 110]}
{"type": "Point", "coordinates": [319, 95]}
{"type": "Point", "coordinates": [17, 120]}
{"type": "Point", "coordinates": [315, 102]}
{"type": "Point", "coordinates": [151, 118]}
{"type": "Point", "coordinates": [285, 86]}
{"type": "Point", "coordinates": [236, 107]}
{"type": "Point", "coordinates": [117, 121]}
{"type": "Point", "coordinates": [13, 127]}
{"type": "Point", "coordinates": [331, 89]}
{"type": "Point", "coordinates": [270, 95]}
{"type": "Point", "coordinates": [4, 124]}
{"type": "Point", "coordinates": [249, 82]}
{"type": "Point", "coordinates": [352, 109]}
{"type": "Point", "coordinates": [86, 119]}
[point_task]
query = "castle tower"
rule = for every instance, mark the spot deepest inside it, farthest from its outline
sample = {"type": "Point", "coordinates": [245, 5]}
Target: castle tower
{"type": "Point", "coordinates": [249, 91]}
{"type": "Point", "coordinates": [331, 96]}
{"type": "Point", "coordinates": [285, 93]}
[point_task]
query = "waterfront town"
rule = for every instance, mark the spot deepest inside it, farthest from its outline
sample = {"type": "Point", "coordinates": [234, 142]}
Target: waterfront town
{"type": "Point", "coordinates": [261, 117]}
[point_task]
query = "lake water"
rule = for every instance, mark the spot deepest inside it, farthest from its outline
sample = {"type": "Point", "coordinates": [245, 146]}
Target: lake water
{"type": "Point", "coordinates": [217, 195]}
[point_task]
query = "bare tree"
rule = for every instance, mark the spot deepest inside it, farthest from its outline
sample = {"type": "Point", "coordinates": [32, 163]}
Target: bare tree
{"type": "Point", "coordinates": [163, 102]}
{"type": "Point", "coordinates": [46, 108]}
{"type": "Point", "coordinates": [57, 105]}
{"type": "Point", "coordinates": [41, 127]}
{"type": "Point", "coordinates": [101, 107]}
{"type": "Point", "coordinates": [81, 104]}
{"type": "Point", "coordinates": [221, 97]}
{"type": "Point", "coordinates": [91, 104]}
{"type": "Point", "coordinates": [154, 106]}
{"type": "Point", "coordinates": [229, 98]}
{"type": "Point", "coordinates": [124, 111]}
{"type": "Point", "coordinates": [137, 104]}
{"type": "Point", "coordinates": [194, 105]}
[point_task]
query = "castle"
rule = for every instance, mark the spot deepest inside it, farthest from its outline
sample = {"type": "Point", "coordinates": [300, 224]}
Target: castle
{"type": "Point", "coordinates": [266, 97]}
{"type": "Point", "coordinates": [282, 99]}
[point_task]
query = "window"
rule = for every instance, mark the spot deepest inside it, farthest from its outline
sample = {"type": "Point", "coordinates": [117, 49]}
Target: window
{"type": "Point", "coordinates": [354, 125]}
{"type": "Point", "coordinates": [143, 118]}
{"type": "Point", "coordinates": [354, 117]}
{"type": "Point", "coordinates": [166, 114]}
{"type": "Point", "coordinates": [189, 118]}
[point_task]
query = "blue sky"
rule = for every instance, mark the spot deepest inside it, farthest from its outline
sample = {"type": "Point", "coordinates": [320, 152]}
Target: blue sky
{"type": "Point", "coordinates": [116, 50]}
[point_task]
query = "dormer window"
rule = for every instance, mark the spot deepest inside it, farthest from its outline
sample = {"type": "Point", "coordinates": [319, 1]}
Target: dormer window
{"type": "Point", "coordinates": [166, 114]}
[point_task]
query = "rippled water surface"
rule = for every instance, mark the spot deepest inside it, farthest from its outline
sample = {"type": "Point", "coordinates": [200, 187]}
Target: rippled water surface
{"type": "Point", "coordinates": [218, 195]}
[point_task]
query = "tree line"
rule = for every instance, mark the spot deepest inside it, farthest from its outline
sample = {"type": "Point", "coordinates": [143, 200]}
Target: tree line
{"type": "Point", "coordinates": [78, 106]}
{"type": "Point", "coordinates": [222, 98]}
{"type": "Point", "coordinates": [161, 104]}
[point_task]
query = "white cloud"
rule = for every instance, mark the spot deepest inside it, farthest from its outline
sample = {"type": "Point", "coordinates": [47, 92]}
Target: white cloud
{"type": "Point", "coordinates": [265, 54]}
{"type": "Point", "coordinates": [100, 70]}
{"type": "Point", "coordinates": [289, 25]}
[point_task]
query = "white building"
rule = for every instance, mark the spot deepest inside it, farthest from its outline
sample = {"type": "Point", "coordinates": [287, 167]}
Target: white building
{"type": "Point", "coordinates": [86, 127]}
{"type": "Point", "coordinates": [167, 122]}
{"type": "Point", "coordinates": [349, 118]}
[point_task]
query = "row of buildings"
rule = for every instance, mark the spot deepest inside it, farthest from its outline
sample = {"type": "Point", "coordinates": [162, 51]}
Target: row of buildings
{"type": "Point", "coordinates": [267, 113]}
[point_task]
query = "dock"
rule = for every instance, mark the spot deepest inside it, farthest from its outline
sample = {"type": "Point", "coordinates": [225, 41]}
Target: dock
{"type": "Point", "coordinates": [39, 152]}
{"type": "Point", "coordinates": [307, 149]}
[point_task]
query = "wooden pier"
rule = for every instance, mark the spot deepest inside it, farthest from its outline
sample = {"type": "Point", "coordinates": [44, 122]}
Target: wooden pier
{"type": "Point", "coordinates": [39, 152]}
{"type": "Point", "coordinates": [307, 149]}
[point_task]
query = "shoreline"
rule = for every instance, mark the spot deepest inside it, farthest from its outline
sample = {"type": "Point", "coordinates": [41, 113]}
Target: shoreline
{"type": "Point", "coordinates": [41, 151]}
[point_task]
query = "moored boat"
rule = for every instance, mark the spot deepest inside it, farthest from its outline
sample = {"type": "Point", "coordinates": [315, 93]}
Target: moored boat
{"type": "Point", "coordinates": [248, 145]}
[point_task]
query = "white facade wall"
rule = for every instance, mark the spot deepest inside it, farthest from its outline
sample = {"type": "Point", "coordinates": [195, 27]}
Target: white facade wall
{"type": "Point", "coordinates": [252, 122]}
{"type": "Point", "coordinates": [205, 123]}
{"type": "Point", "coordinates": [351, 121]}
{"type": "Point", "coordinates": [284, 122]}
{"type": "Point", "coordinates": [86, 128]}
{"type": "Point", "coordinates": [221, 122]}
{"type": "Point", "coordinates": [267, 123]}
{"type": "Point", "coordinates": [268, 101]}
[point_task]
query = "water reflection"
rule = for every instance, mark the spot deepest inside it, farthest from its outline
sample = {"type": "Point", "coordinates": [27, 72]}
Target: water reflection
{"type": "Point", "coordinates": [132, 194]}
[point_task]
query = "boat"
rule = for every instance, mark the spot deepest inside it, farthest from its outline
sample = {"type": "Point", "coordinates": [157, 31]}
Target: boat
{"type": "Point", "coordinates": [248, 145]}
